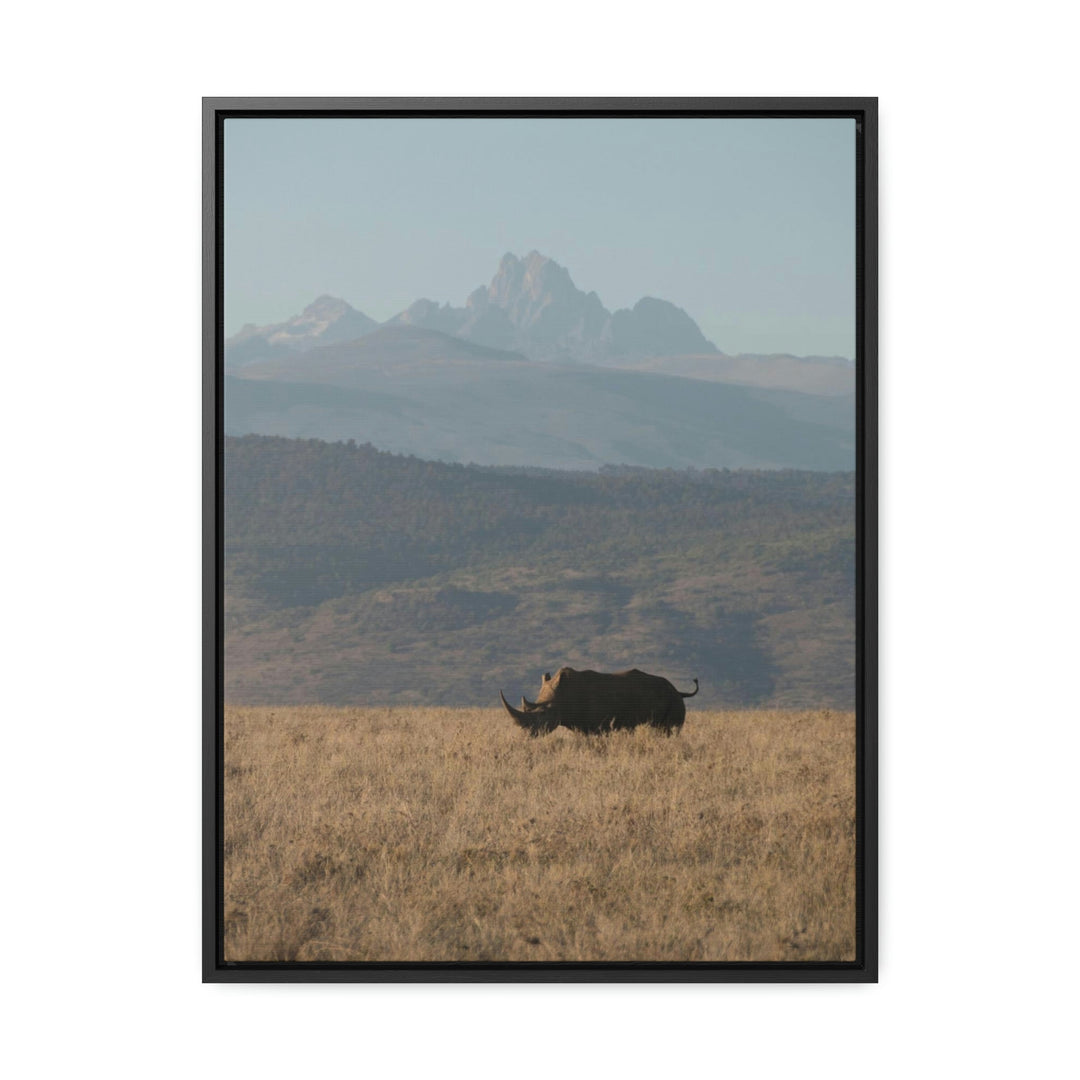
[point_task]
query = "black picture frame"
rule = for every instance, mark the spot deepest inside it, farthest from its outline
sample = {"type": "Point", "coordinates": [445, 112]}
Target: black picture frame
{"type": "Point", "coordinates": [865, 967]}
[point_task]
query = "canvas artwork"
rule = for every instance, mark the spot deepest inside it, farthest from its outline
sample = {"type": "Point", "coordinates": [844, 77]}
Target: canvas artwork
{"type": "Point", "coordinates": [538, 545]}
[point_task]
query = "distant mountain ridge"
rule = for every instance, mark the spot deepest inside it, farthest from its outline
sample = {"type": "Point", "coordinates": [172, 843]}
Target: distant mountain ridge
{"type": "Point", "coordinates": [416, 391]}
{"type": "Point", "coordinates": [533, 371]}
{"type": "Point", "coordinates": [531, 306]}
{"type": "Point", "coordinates": [390, 349]}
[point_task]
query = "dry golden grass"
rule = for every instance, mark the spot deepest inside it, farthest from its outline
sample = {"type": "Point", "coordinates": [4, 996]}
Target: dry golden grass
{"type": "Point", "coordinates": [448, 834]}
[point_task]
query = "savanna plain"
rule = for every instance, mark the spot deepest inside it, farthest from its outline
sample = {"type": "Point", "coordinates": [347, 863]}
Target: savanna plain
{"type": "Point", "coordinates": [447, 834]}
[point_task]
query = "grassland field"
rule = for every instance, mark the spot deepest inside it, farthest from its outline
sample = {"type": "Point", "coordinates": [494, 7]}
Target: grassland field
{"type": "Point", "coordinates": [440, 834]}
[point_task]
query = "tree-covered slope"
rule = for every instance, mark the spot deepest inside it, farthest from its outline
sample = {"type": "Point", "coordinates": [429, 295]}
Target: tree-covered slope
{"type": "Point", "coordinates": [355, 576]}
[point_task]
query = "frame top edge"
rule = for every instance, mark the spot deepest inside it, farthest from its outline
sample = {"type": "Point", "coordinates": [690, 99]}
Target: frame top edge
{"type": "Point", "coordinates": [838, 105]}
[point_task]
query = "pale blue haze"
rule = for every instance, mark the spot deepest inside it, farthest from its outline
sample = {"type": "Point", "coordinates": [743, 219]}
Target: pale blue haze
{"type": "Point", "coordinates": [747, 224]}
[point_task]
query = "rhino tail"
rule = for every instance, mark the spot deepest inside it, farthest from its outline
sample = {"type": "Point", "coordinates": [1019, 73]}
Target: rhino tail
{"type": "Point", "coordinates": [692, 692]}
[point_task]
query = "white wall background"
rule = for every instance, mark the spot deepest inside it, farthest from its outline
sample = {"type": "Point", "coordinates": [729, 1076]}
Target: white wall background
{"type": "Point", "coordinates": [101, 447]}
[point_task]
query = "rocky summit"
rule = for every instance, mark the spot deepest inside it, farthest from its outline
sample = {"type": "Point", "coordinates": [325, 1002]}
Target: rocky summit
{"type": "Point", "coordinates": [533, 306]}
{"type": "Point", "coordinates": [325, 321]}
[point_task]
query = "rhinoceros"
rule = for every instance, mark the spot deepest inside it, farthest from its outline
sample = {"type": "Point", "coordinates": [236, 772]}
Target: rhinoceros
{"type": "Point", "coordinates": [595, 702]}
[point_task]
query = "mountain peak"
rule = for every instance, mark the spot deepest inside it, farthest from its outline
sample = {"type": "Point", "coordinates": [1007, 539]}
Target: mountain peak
{"type": "Point", "coordinates": [533, 306]}
{"type": "Point", "coordinates": [655, 327]}
{"type": "Point", "coordinates": [538, 296]}
{"type": "Point", "coordinates": [326, 320]}
{"type": "Point", "coordinates": [327, 307]}
{"type": "Point", "coordinates": [427, 313]}
{"type": "Point", "coordinates": [540, 268]}
{"type": "Point", "coordinates": [534, 260]}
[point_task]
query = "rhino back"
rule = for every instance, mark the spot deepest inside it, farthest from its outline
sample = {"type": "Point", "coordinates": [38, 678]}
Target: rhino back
{"type": "Point", "coordinates": [594, 701]}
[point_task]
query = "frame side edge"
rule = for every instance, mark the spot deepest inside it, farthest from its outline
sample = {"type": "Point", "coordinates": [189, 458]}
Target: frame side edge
{"type": "Point", "coordinates": [866, 481]}
{"type": "Point", "coordinates": [869, 807]}
{"type": "Point", "coordinates": [209, 537]}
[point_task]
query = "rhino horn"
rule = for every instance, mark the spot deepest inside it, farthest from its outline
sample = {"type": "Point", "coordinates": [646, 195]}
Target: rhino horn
{"type": "Point", "coordinates": [527, 704]}
{"type": "Point", "coordinates": [517, 714]}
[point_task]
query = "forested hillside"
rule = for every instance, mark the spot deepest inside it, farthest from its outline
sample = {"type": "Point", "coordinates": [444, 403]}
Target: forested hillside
{"type": "Point", "coordinates": [360, 577]}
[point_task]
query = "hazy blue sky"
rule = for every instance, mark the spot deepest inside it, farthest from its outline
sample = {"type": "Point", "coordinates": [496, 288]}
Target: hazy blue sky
{"type": "Point", "coordinates": [747, 224]}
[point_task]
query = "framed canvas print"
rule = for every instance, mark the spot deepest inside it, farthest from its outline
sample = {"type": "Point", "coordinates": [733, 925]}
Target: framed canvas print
{"type": "Point", "coordinates": [540, 543]}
